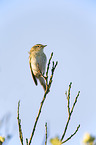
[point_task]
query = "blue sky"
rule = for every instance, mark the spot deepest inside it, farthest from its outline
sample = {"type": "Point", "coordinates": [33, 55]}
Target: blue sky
{"type": "Point", "coordinates": [69, 30]}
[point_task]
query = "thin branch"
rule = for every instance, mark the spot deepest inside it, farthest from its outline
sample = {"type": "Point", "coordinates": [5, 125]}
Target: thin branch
{"type": "Point", "coordinates": [68, 98]}
{"type": "Point", "coordinates": [72, 134]}
{"type": "Point", "coordinates": [69, 112]}
{"type": "Point", "coordinates": [75, 102]}
{"type": "Point", "coordinates": [65, 128]}
{"type": "Point", "coordinates": [26, 141]}
{"type": "Point", "coordinates": [46, 133]}
{"type": "Point", "coordinates": [52, 72]}
{"type": "Point", "coordinates": [19, 124]}
{"type": "Point", "coordinates": [49, 63]}
{"type": "Point", "coordinates": [32, 134]}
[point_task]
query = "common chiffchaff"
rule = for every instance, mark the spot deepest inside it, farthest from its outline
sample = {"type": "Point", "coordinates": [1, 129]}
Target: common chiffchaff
{"type": "Point", "coordinates": [37, 61]}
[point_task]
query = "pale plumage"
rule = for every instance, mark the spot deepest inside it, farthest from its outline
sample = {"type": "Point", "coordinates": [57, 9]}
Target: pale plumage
{"type": "Point", "coordinates": [37, 61]}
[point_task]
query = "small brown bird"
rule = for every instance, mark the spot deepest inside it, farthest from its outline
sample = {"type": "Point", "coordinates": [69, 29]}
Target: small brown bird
{"type": "Point", "coordinates": [37, 61]}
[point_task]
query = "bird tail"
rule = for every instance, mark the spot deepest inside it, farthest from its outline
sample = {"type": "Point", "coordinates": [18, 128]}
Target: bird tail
{"type": "Point", "coordinates": [42, 82]}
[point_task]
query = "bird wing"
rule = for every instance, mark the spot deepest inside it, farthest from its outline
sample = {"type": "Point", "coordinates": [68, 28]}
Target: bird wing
{"type": "Point", "coordinates": [33, 76]}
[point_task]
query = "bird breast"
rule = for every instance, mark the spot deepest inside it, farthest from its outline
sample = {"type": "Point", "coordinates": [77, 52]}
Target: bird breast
{"type": "Point", "coordinates": [38, 61]}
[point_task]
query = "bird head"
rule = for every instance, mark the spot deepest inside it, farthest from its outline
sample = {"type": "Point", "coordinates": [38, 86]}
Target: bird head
{"type": "Point", "coordinates": [37, 48]}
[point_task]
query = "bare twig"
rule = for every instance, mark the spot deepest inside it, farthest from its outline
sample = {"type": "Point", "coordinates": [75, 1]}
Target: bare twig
{"type": "Point", "coordinates": [70, 112]}
{"type": "Point", "coordinates": [46, 133]}
{"type": "Point", "coordinates": [19, 124]}
{"type": "Point", "coordinates": [72, 134]}
{"type": "Point", "coordinates": [26, 141]}
{"type": "Point", "coordinates": [68, 98]}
